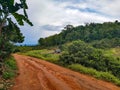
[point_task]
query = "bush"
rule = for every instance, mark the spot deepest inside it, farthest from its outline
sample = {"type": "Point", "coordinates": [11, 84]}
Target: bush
{"type": "Point", "coordinates": [8, 75]}
{"type": "Point", "coordinates": [106, 43]}
{"type": "Point", "coordinates": [11, 63]}
{"type": "Point", "coordinates": [78, 52]}
{"type": "Point", "coordinates": [5, 50]}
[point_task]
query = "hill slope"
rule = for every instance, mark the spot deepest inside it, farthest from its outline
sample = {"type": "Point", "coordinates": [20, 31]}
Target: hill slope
{"type": "Point", "coordinates": [88, 33]}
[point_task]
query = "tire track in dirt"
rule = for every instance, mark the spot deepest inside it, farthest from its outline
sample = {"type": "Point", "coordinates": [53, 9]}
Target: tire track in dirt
{"type": "Point", "coordinates": [36, 74]}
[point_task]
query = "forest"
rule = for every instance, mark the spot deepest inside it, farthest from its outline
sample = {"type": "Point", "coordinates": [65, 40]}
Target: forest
{"type": "Point", "coordinates": [105, 35]}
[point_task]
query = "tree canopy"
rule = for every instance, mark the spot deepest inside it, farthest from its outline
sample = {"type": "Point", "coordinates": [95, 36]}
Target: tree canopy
{"type": "Point", "coordinates": [9, 30]}
{"type": "Point", "coordinates": [93, 32]}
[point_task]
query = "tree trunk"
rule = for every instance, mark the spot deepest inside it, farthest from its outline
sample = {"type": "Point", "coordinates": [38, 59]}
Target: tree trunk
{"type": "Point", "coordinates": [0, 29]}
{"type": "Point", "coordinates": [1, 59]}
{"type": "Point", "coordinates": [0, 43]}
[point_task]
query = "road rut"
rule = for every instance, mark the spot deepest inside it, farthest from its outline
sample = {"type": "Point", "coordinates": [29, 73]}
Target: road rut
{"type": "Point", "coordinates": [36, 74]}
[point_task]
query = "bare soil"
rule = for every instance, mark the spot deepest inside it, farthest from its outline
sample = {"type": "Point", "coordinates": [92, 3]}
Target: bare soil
{"type": "Point", "coordinates": [36, 74]}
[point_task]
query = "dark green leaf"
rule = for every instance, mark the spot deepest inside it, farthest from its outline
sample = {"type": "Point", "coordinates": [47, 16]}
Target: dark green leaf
{"type": "Point", "coordinates": [20, 18]}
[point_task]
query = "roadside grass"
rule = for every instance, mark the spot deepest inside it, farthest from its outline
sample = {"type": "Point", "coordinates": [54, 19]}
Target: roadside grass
{"type": "Point", "coordinates": [115, 52]}
{"type": "Point", "coordinates": [97, 74]}
{"type": "Point", "coordinates": [10, 68]}
{"type": "Point", "coordinates": [44, 54]}
{"type": "Point", "coordinates": [9, 73]}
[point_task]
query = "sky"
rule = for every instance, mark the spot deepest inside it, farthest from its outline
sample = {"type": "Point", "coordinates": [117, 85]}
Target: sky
{"type": "Point", "coordinates": [51, 16]}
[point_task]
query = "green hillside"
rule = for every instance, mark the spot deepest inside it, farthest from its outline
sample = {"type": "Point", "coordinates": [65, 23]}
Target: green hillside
{"type": "Point", "coordinates": [107, 34]}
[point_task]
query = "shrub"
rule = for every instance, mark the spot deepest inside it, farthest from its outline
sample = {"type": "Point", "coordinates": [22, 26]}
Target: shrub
{"type": "Point", "coordinates": [79, 52]}
{"type": "Point", "coordinates": [8, 75]}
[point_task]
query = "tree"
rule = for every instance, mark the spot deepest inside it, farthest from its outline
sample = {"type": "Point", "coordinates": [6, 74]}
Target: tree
{"type": "Point", "coordinates": [9, 31]}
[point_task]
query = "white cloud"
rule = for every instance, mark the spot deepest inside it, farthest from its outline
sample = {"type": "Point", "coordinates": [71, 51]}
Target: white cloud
{"type": "Point", "coordinates": [106, 7]}
{"type": "Point", "coordinates": [58, 13]}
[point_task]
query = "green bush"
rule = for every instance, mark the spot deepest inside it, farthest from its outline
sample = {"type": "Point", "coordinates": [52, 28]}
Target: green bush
{"type": "Point", "coordinates": [10, 63]}
{"type": "Point", "coordinates": [106, 43]}
{"type": "Point", "coordinates": [8, 75]}
{"type": "Point", "coordinates": [79, 52]}
{"type": "Point", "coordinates": [5, 52]}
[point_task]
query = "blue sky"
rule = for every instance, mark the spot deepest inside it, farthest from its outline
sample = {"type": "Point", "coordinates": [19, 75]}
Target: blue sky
{"type": "Point", "coordinates": [50, 16]}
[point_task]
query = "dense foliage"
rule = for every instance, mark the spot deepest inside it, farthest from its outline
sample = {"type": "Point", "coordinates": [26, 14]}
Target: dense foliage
{"type": "Point", "coordinates": [78, 52]}
{"type": "Point", "coordinates": [106, 43]}
{"type": "Point", "coordinates": [9, 30]}
{"type": "Point", "coordinates": [93, 32]}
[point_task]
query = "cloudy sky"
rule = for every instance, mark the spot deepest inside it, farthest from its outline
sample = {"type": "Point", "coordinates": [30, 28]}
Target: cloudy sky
{"type": "Point", "coordinates": [50, 16]}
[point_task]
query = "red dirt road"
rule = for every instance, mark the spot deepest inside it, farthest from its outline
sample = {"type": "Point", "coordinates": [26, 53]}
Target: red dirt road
{"type": "Point", "coordinates": [36, 74]}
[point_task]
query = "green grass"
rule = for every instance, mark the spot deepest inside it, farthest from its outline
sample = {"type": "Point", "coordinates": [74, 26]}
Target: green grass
{"type": "Point", "coordinates": [10, 68]}
{"type": "Point", "coordinates": [9, 73]}
{"type": "Point", "coordinates": [115, 52]}
{"type": "Point", "coordinates": [23, 49]}
{"type": "Point", "coordinates": [45, 54]}
{"type": "Point", "coordinates": [97, 74]}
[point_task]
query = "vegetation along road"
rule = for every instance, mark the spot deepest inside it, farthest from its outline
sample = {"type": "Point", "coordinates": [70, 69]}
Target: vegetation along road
{"type": "Point", "coordinates": [36, 74]}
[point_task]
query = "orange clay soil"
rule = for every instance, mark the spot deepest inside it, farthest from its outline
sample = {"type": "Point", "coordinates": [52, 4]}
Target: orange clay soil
{"type": "Point", "coordinates": [36, 74]}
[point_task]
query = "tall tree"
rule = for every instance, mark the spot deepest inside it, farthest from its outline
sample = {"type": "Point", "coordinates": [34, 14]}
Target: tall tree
{"type": "Point", "coordinates": [9, 30]}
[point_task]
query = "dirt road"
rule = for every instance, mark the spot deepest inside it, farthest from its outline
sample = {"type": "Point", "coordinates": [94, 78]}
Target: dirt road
{"type": "Point", "coordinates": [36, 74]}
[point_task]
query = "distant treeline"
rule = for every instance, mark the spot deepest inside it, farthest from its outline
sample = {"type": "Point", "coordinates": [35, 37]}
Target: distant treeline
{"type": "Point", "coordinates": [107, 34]}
